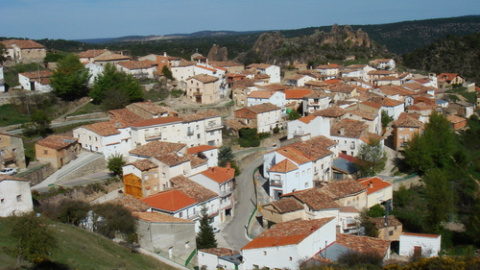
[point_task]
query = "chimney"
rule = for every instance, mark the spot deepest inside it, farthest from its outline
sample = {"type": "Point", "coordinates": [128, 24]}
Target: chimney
{"type": "Point", "coordinates": [164, 54]}
{"type": "Point", "coordinates": [370, 185]}
{"type": "Point", "coordinates": [342, 131]}
{"type": "Point", "coordinates": [228, 164]}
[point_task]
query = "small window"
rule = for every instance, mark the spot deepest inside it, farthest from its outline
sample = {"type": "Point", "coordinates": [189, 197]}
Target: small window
{"type": "Point", "coordinates": [264, 253]}
{"type": "Point", "coordinates": [19, 198]}
{"type": "Point", "coordinates": [45, 152]}
{"type": "Point", "coordinates": [187, 244]}
{"type": "Point", "coordinates": [2, 200]}
{"type": "Point", "coordinates": [390, 233]}
{"type": "Point", "coordinates": [290, 258]}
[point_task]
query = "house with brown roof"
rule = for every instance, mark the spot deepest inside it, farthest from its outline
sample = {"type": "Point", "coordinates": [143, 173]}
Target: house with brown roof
{"type": "Point", "coordinates": [224, 258]}
{"type": "Point", "coordinates": [350, 135]}
{"type": "Point", "coordinates": [203, 89]}
{"type": "Point", "coordinates": [296, 166]}
{"type": "Point", "coordinates": [258, 97]}
{"type": "Point", "coordinates": [272, 71]}
{"type": "Point", "coordinates": [346, 192]}
{"type": "Point", "coordinates": [457, 122]}
{"type": "Point", "coordinates": [12, 152]}
{"type": "Point", "coordinates": [15, 196]}
{"type": "Point", "coordinates": [36, 80]}
{"type": "Point", "coordinates": [298, 80]}
{"type": "Point", "coordinates": [221, 181]}
{"type": "Point", "coordinates": [316, 100]}
{"type": "Point", "coordinates": [139, 69]}
{"type": "Point", "coordinates": [208, 152]}
{"type": "Point", "coordinates": [110, 58]}
{"type": "Point", "coordinates": [448, 80]}
{"type": "Point", "coordinates": [285, 244]}
{"type": "Point", "coordinates": [391, 106]}
{"type": "Point", "coordinates": [24, 50]}
{"type": "Point", "coordinates": [57, 150]}
{"type": "Point", "coordinates": [149, 110]}
{"type": "Point", "coordinates": [404, 128]}
{"type": "Point", "coordinates": [88, 56]}
{"type": "Point", "coordinates": [389, 228]}
{"type": "Point", "coordinates": [202, 128]}
{"type": "Point", "coordinates": [330, 71]}
{"type": "Point", "coordinates": [265, 117]}
{"type": "Point", "coordinates": [169, 236]}
{"type": "Point", "coordinates": [378, 191]}
{"type": "Point", "coordinates": [367, 112]}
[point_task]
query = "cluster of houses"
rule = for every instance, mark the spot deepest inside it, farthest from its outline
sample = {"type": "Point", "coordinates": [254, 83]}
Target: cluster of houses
{"type": "Point", "coordinates": [172, 160]}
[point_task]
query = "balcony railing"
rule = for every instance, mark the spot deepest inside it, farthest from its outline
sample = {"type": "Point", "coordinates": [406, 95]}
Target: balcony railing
{"type": "Point", "coordinates": [224, 193]}
{"type": "Point", "coordinates": [214, 127]}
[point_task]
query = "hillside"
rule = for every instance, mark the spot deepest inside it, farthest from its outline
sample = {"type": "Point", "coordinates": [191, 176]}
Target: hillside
{"type": "Point", "coordinates": [450, 54]}
{"type": "Point", "coordinates": [79, 249]}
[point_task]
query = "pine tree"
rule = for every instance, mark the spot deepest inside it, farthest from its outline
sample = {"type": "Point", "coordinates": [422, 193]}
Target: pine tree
{"type": "Point", "coordinates": [206, 237]}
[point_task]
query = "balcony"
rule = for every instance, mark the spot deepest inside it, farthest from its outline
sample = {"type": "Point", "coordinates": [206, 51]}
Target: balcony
{"type": "Point", "coordinates": [224, 193]}
{"type": "Point", "coordinates": [152, 137]}
{"type": "Point", "coordinates": [276, 183]}
{"type": "Point", "coordinates": [214, 127]}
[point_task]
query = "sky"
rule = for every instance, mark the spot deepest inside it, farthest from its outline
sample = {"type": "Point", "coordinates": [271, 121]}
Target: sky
{"type": "Point", "coordinates": [84, 19]}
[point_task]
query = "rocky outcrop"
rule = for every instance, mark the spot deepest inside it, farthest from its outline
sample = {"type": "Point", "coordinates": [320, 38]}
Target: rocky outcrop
{"type": "Point", "coordinates": [217, 53]}
{"type": "Point", "coordinates": [340, 42]}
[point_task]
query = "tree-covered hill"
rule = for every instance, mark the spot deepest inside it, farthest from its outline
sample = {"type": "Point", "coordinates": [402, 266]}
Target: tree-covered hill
{"type": "Point", "coordinates": [458, 54]}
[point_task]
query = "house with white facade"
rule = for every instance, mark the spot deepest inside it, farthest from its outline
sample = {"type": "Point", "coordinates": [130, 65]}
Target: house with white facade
{"type": "Point", "coordinates": [271, 70]}
{"type": "Point", "coordinates": [221, 181]}
{"type": "Point", "coordinates": [420, 244]}
{"type": "Point", "coordinates": [258, 97]}
{"type": "Point", "coordinates": [169, 128]}
{"type": "Point", "coordinates": [285, 244]}
{"type": "Point", "coordinates": [24, 50]}
{"type": "Point", "coordinates": [317, 100]}
{"type": "Point", "coordinates": [383, 64]}
{"type": "Point", "coordinates": [207, 152]}
{"type": "Point", "coordinates": [94, 70]}
{"type": "Point", "coordinates": [215, 258]}
{"type": "Point", "coordinates": [308, 127]}
{"type": "Point", "coordinates": [350, 135]}
{"type": "Point", "coordinates": [15, 196]}
{"type": "Point", "coordinates": [138, 69]}
{"type": "Point", "coordinates": [298, 80]}
{"type": "Point", "coordinates": [265, 117]}
{"type": "Point", "coordinates": [393, 107]}
{"type": "Point", "coordinates": [36, 80]}
{"type": "Point", "coordinates": [378, 191]}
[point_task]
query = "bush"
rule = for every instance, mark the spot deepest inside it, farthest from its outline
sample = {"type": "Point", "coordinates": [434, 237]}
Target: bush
{"type": "Point", "coordinates": [111, 219]}
{"type": "Point", "coordinates": [72, 212]}
{"type": "Point", "coordinates": [249, 137]}
{"type": "Point", "coordinates": [115, 164]}
{"type": "Point", "coordinates": [263, 135]}
{"type": "Point", "coordinates": [276, 130]}
{"type": "Point", "coordinates": [355, 259]}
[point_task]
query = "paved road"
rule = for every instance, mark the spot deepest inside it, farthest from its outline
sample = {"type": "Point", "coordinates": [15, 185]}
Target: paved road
{"type": "Point", "coordinates": [234, 232]}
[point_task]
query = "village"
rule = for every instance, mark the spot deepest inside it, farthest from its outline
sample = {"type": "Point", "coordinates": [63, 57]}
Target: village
{"type": "Point", "coordinates": [293, 192]}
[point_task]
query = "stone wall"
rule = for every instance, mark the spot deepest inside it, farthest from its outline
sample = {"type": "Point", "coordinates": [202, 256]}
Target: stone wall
{"type": "Point", "coordinates": [87, 116]}
{"type": "Point", "coordinates": [94, 166]}
{"type": "Point", "coordinates": [37, 174]}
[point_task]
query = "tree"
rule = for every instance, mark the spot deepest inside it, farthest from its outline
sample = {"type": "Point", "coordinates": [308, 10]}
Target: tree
{"type": "Point", "coordinates": [167, 73]}
{"type": "Point", "coordinates": [3, 54]}
{"type": "Point", "coordinates": [434, 148]}
{"type": "Point", "coordinates": [293, 115]}
{"type": "Point", "coordinates": [39, 124]}
{"type": "Point", "coordinates": [115, 89]}
{"type": "Point", "coordinates": [72, 212]}
{"type": "Point", "coordinates": [115, 163]}
{"type": "Point", "coordinates": [111, 220]}
{"type": "Point", "coordinates": [386, 119]}
{"type": "Point", "coordinates": [376, 211]}
{"type": "Point", "coordinates": [439, 197]}
{"type": "Point", "coordinates": [206, 237]}
{"type": "Point", "coordinates": [34, 240]}
{"type": "Point", "coordinates": [371, 158]}
{"type": "Point", "coordinates": [70, 79]}
{"type": "Point", "coordinates": [225, 154]}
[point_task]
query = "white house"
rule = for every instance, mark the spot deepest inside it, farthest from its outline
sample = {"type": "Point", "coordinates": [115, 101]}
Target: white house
{"type": "Point", "coordinates": [420, 244]}
{"type": "Point", "coordinates": [15, 196]}
{"type": "Point", "coordinates": [36, 80]}
{"type": "Point", "coordinates": [205, 151]}
{"type": "Point", "coordinates": [215, 258]}
{"type": "Point", "coordinates": [378, 191]}
{"type": "Point", "coordinates": [393, 107]}
{"type": "Point", "coordinates": [298, 80]}
{"type": "Point", "coordinates": [265, 117]}
{"type": "Point", "coordinates": [2, 80]}
{"type": "Point", "coordinates": [94, 70]}
{"type": "Point", "coordinates": [383, 64]}
{"type": "Point", "coordinates": [308, 127]}
{"type": "Point", "coordinates": [285, 244]}
{"type": "Point", "coordinates": [271, 70]}
{"type": "Point", "coordinates": [138, 69]}
{"type": "Point", "coordinates": [202, 128]}
{"type": "Point", "coordinates": [350, 135]}
{"type": "Point", "coordinates": [258, 97]}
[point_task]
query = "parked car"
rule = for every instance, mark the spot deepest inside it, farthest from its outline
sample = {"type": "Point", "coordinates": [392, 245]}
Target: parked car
{"type": "Point", "coordinates": [8, 171]}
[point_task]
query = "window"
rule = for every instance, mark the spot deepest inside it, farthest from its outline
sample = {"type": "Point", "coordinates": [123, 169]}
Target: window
{"type": "Point", "coordinates": [198, 136]}
{"type": "Point", "coordinates": [45, 152]}
{"type": "Point", "coordinates": [2, 200]}
{"type": "Point", "coordinates": [187, 244]}
{"type": "Point", "coordinates": [255, 266]}
{"type": "Point", "coordinates": [180, 214]}
{"type": "Point", "coordinates": [290, 258]}
{"type": "Point", "coordinates": [19, 198]}
{"type": "Point", "coordinates": [264, 253]}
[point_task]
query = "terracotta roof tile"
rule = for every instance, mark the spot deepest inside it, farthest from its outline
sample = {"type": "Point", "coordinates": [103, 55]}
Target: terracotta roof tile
{"type": "Point", "coordinates": [283, 166]}
{"type": "Point", "coordinates": [103, 128]}
{"type": "Point", "coordinates": [37, 74]}
{"type": "Point", "coordinates": [455, 119]}
{"type": "Point", "coordinates": [199, 116]}
{"type": "Point", "coordinates": [196, 191]}
{"type": "Point", "coordinates": [406, 120]}
{"type": "Point", "coordinates": [125, 117]}
{"type": "Point", "coordinates": [262, 108]}
{"type": "Point", "coordinates": [286, 205]}
{"type": "Point", "coordinates": [174, 159]}
{"type": "Point", "coordinates": [57, 141]}
{"type": "Point", "coordinates": [91, 53]}
{"type": "Point", "coordinates": [293, 154]}
{"type": "Point", "coordinates": [200, 148]}
{"type": "Point", "coordinates": [386, 102]}
{"type": "Point", "coordinates": [131, 203]}
{"type": "Point", "coordinates": [348, 128]}
{"type": "Point", "coordinates": [143, 164]}
{"type": "Point", "coordinates": [137, 64]}
{"type": "Point", "coordinates": [219, 174]}
{"type": "Point", "coordinates": [297, 93]}
{"type": "Point", "coordinates": [307, 119]}
{"type": "Point", "coordinates": [153, 108]}
{"type": "Point", "coordinates": [342, 188]}
{"type": "Point", "coordinates": [363, 244]}
{"type": "Point", "coordinates": [171, 200]}
{"type": "Point", "coordinates": [315, 148]}
{"type": "Point", "coordinates": [334, 111]}
{"type": "Point", "coordinates": [204, 78]}
{"type": "Point", "coordinates": [156, 217]}
{"type": "Point", "coordinates": [287, 233]}
{"type": "Point", "coordinates": [314, 198]}
{"type": "Point", "coordinates": [111, 57]}
{"type": "Point", "coordinates": [220, 252]}
{"type": "Point", "coordinates": [157, 148]}
{"type": "Point", "coordinates": [448, 77]}
{"type": "Point", "coordinates": [373, 184]}
{"type": "Point", "coordinates": [157, 121]}
{"type": "Point", "coordinates": [262, 94]}
{"type": "Point", "coordinates": [196, 161]}
{"type": "Point", "coordinates": [379, 222]}
{"type": "Point", "coordinates": [22, 44]}
{"type": "Point", "coordinates": [259, 66]}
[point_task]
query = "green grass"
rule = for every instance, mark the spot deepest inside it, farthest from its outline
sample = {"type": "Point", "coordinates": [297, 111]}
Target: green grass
{"type": "Point", "coordinates": [88, 108]}
{"type": "Point", "coordinates": [9, 115]}
{"type": "Point", "coordinates": [80, 249]}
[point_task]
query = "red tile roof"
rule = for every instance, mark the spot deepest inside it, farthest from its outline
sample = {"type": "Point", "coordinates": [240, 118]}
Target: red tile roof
{"type": "Point", "coordinates": [103, 128]}
{"type": "Point", "coordinates": [170, 200]}
{"type": "Point", "coordinates": [125, 117]}
{"type": "Point", "coordinates": [219, 174]}
{"type": "Point", "coordinates": [57, 141]}
{"type": "Point", "coordinates": [262, 94]}
{"type": "Point", "coordinates": [37, 74]}
{"type": "Point", "coordinates": [156, 217]}
{"type": "Point", "coordinates": [91, 53]}
{"type": "Point", "coordinates": [363, 244]}
{"type": "Point", "coordinates": [111, 57]}
{"type": "Point", "coordinates": [143, 165]}
{"type": "Point", "coordinates": [293, 154]}
{"type": "Point", "coordinates": [287, 233]}
{"type": "Point", "coordinates": [342, 188]}
{"type": "Point", "coordinates": [373, 184]}
{"type": "Point", "coordinates": [199, 116]}
{"type": "Point", "coordinates": [219, 252]}
{"type": "Point", "coordinates": [157, 121]}
{"type": "Point", "coordinates": [200, 148]}
{"type": "Point", "coordinates": [283, 166]}
{"type": "Point", "coordinates": [137, 64]}
{"type": "Point", "coordinates": [315, 198]}
{"type": "Point", "coordinates": [193, 190]}
{"type": "Point", "coordinates": [285, 205]}
{"type": "Point", "coordinates": [422, 235]}
{"type": "Point", "coordinates": [348, 128]}
{"type": "Point", "coordinates": [204, 78]}
{"type": "Point", "coordinates": [297, 93]}
{"type": "Point", "coordinates": [22, 44]}
{"type": "Point", "coordinates": [307, 119]}
{"type": "Point", "coordinates": [157, 148]}
{"type": "Point", "coordinates": [406, 120]}
{"type": "Point", "coordinates": [334, 111]}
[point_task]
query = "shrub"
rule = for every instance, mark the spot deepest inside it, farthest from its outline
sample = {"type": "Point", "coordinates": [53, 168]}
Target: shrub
{"type": "Point", "coordinates": [276, 130]}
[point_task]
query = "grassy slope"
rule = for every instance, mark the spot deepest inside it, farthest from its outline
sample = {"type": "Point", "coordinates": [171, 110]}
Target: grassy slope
{"type": "Point", "coordinates": [80, 249]}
